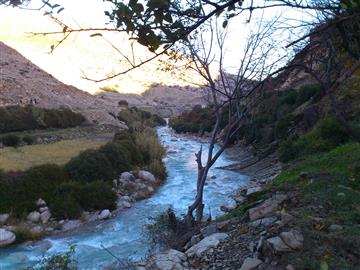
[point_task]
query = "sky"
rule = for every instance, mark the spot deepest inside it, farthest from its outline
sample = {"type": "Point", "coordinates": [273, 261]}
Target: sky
{"type": "Point", "coordinates": [90, 13]}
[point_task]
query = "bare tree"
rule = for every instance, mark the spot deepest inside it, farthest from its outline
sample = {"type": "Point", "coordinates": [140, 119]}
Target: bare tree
{"type": "Point", "coordinates": [228, 93]}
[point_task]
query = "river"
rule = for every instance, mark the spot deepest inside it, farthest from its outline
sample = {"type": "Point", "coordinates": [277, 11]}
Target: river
{"type": "Point", "coordinates": [124, 234]}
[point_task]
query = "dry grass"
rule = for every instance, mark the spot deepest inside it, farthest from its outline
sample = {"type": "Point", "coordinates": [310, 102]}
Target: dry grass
{"type": "Point", "coordinates": [21, 158]}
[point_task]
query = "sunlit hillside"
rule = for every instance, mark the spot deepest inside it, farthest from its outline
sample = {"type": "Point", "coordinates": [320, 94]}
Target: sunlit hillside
{"type": "Point", "coordinates": [94, 57]}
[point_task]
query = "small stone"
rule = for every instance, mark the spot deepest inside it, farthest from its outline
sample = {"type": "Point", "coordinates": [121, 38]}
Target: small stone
{"type": "Point", "coordinates": [4, 218]}
{"type": "Point", "coordinates": [290, 267]}
{"type": "Point", "coordinates": [45, 216]}
{"type": "Point", "coordinates": [127, 176]}
{"type": "Point", "coordinates": [37, 230]}
{"type": "Point", "coordinates": [335, 228]}
{"type": "Point", "coordinates": [267, 208]}
{"type": "Point", "coordinates": [209, 230]}
{"type": "Point", "coordinates": [34, 217]}
{"type": "Point", "coordinates": [40, 202]}
{"type": "Point", "coordinates": [222, 225]}
{"type": "Point", "coordinates": [206, 244]}
{"type": "Point", "coordinates": [263, 222]}
{"type": "Point", "coordinates": [104, 214]}
{"type": "Point", "coordinates": [43, 209]}
{"type": "Point", "coordinates": [147, 176]}
{"type": "Point", "coordinates": [250, 264]}
{"type": "Point", "coordinates": [253, 190]}
{"type": "Point", "coordinates": [6, 238]}
{"type": "Point", "coordinates": [294, 239]}
{"type": "Point", "coordinates": [150, 189]}
{"type": "Point", "coordinates": [278, 244]}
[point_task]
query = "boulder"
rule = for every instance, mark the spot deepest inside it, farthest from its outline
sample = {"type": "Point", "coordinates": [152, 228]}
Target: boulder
{"type": "Point", "coordinates": [209, 230]}
{"type": "Point", "coordinates": [123, 204]}
{"type": "Point", "coordinates": [70, 225]}
{"type": "Point", "coordinates": [4, 218]}
{"type": "Point", "coordinates": [45, 216]}
{"type": "Point", "coordinates": [253, 190]}
{"type": "Point", "coordinates": [263, 222]}
{"type": "Point", "coordinates": [40, 203]}
{"type": "Point", "coordinates": [147, 176]}
{"type": "Point", "coordinates": [127, 176]}
{"type": "Point", "coordinates": [267, 208]}
{"type": "Point", "coordinates": [250, 264]}
{"type": "Point", "coordinates": [104, 214]}
{"type": "Point", "coordinates": [34, 217]}
{"type": "Point", "coordinates": [294, 239]}
{"type": "Point", "coordinates": [278, 244]}
{"type": "Point", "coordinates": [6, 238]}
{"type": "Point", "coordinates": [230, 205]}
{"type": "Point", "coordinates": [168, 260]}
{"type": "Point", "coordinates": [205, 245]}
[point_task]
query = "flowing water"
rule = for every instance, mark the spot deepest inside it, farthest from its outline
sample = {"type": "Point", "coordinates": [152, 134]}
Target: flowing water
{"type": "Point", "coordinates": [124, 235]}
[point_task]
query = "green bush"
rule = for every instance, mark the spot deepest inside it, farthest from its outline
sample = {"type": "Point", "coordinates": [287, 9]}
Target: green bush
{"type": "Point", "coordinates": [65, 209]}
{"type": "Point", "coordinates": [157, 168]}
{"type": "Point", "coordinates": [29, 140]}
{"type": "Point", "coordinates": [90, 165]}
{"type": "Point", "coordinates": [18, 118]}
{"type": "Point", "coordinates": [11, 140]}
{"type": "Point", "coordinates": [97, 195]}
{"type": "Point", "coordinates": [323, 138]}
{"type": "Point", "coordinates": [133, 115]}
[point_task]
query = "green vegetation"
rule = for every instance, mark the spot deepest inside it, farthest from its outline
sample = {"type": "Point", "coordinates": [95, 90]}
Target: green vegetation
{"type": "Point", "coordinates": [136, 118]}
{"type": "Point", "coordinates": [325, 137]}
{"type": "Point", "coordinates": [18, 118]}
{"type": "Point", "coordinates": [10, 140]}
{"type": "Point", "coordinates": [198, 120]}
{"type": "Point", "coordinates": [84, 182]}
{"type": "Point", "coordinates": [59, 261]}
{"type": "Point", "coordinates": [25, 157]}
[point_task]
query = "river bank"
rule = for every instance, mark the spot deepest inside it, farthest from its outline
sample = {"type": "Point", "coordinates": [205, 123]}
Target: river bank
{"type": "Point", "coordinates": [124, 234]}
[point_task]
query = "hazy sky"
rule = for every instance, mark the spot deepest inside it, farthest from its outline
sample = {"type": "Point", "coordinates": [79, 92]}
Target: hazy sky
{"type": "Point", "coordinates": [91, 13]}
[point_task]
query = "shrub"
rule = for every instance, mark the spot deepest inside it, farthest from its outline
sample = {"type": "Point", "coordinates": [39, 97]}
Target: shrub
{"type": "Point", "coordinates": [58, 261]}
{"type": "Point", "coordinates": [65, 209]}
{"type": "Point", "coordinates": [325, 137]}
{"type": "Point", "coordinates": [29, 140]}
{"type": "Point", "coordinates": [18, 118]}
{"type": "Point", "coordinates": [149, 146]}
{"type": "Point", "coordinates": [11, 140]}
{"type": "Point", "coordinates": [133, 115]}
{"type": "Point", "coordinates": [90, 165]}
{"type": "Point", "coordinates": [157, 168]}
{"type": "Point", "coordinates": [97, 195]}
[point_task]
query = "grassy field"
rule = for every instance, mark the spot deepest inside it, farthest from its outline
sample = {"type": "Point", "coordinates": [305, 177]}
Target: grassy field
{"type": "Point", "coordinates": [21, 158]}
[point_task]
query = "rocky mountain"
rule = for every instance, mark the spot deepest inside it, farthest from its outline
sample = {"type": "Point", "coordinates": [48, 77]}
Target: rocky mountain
{"type": "Point", "coordinates": [149, 86]}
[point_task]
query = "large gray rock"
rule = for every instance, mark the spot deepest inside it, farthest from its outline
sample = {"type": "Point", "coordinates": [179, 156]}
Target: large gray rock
{"type": "Point", "coordinates": [293, 239]}
{"type": "Point", "coordinates": [267, 208]}
{"type": "Point", "coordinates": [206, 244]}
{"type": "Point", "coordinates": [168, 260]}
{"type": "Point", "coordinates": [45, 216]}
{"type": "Point", "coordinates": [147, 176]}
{"type": "Point", "coordinates": [127, 176]}
{"type": "Point", "coordinates": [253, 190]}
{"type": "Point", "coordinates": [278, 245]}
{"type": "Point", "coordinates": [4, 218]}
{"type": "Point", "coordinates": [250, 264]}
{"type": "Point", "coordinates": [6, 238]}
{"type": "Point", "coordinates": [104, 214]}
{"type": "Point", "coordinates": [34, 216]}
